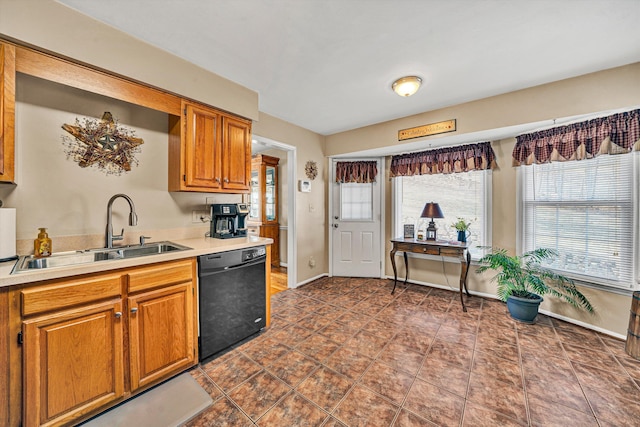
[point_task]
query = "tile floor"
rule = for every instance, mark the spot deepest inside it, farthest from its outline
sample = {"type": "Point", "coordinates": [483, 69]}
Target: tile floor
{"type": "Point", "coordinates": [344, 352]}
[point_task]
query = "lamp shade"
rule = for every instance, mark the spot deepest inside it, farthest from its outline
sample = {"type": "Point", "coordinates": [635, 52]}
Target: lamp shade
{"type": "Point", "coordinates": [431, 210]}
{"type": "Point", "coordinates": [407, 86]}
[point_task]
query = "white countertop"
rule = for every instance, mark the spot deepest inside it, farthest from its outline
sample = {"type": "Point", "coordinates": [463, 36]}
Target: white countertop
{"type": "Point", "coordinates": [200, 246]}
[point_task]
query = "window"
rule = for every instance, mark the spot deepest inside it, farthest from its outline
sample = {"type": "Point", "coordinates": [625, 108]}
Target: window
{"type": "Point", "coordinates": [356, 201]}
{"type": "Point", "coordinates": [466, 195]}
{"type": "Point", "coordinates": [585, 210]}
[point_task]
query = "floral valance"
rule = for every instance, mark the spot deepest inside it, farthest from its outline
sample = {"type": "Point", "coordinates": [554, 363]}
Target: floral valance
{"type": "Point", "coordinates": [463, 158]}
{"type": "Point", "coordinates": [360, 172]}
{"type": "Point", "coordinates": [615, 134]}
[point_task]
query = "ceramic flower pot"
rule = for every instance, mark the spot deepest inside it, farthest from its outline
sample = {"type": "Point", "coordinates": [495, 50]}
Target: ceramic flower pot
{"type": "Point", "coordinates": [524, 309]}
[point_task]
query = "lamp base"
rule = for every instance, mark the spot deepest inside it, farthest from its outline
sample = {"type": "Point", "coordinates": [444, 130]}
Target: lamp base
{"type": "Point", "coordinates": [432, 231]}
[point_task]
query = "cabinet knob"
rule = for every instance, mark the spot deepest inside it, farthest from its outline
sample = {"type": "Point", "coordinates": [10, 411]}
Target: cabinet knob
{"type": "Point", "coordinates": [134, 310]}
{"type": "Point", "coordinates": [226, 180]}
{"type": "Point", "coordinates": [217, 179]}
{"type": "Point", "coordinates": [118, 314]}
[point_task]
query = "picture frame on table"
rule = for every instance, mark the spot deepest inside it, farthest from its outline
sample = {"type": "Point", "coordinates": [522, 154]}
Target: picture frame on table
{"type": "Point", "coordinates": [409, 231]}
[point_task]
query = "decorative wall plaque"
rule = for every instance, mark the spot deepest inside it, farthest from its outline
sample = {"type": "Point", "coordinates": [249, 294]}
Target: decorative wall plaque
{"type": "Point", "coordinates": [426, 130]}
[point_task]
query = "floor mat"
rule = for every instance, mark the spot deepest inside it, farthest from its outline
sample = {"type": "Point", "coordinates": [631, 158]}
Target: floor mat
{"type": "Point", "coordinates": [170, 404]}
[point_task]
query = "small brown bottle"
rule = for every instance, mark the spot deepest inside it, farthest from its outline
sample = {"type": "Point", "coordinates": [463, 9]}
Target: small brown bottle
{"type": "Point", "coordinates": [42, 245]}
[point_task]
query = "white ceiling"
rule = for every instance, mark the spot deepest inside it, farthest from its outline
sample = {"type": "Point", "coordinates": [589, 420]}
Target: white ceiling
{"type": "Point", "coordinates": [328, 65]}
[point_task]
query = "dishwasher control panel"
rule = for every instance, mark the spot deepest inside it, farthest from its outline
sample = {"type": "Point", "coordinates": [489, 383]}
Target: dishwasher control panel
{"type": "Point", "coordinates": [254, 253]}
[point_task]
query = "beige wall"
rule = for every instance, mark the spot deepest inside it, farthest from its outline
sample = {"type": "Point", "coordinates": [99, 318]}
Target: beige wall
{"type": "Point", "coordinates": [52, 26]}
{"type": "Point", "coordinates": [610, 89]}
{"type": "Point", "coordinates": [311, 234]}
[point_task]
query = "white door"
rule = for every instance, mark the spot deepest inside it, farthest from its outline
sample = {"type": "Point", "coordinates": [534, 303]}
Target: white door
{"type": "Point", "coordinates": [356, 226]}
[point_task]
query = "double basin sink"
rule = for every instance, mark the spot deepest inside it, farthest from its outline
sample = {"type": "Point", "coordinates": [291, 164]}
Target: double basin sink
{"type": "Point", "coordinates": [66, 259]}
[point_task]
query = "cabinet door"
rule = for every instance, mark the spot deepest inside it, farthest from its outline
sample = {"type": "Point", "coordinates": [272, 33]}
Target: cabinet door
{"type": "Point", "coordinates": [202, 148]}
{"type": "Point", "coordinates": [236, 149]}
{"type": "Point", "coordinates": [73, 362]}
{"type": "Point", "coordinates": [7, 112]}
{"type": "Point", "coordinates": [161, 333]}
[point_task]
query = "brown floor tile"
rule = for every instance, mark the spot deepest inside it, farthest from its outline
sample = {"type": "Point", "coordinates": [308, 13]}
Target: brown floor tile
{"type": "Point", "coordinates": [434, 404]}
{"type": "Point", "coordinates": [545, 345]}
{"type": "Point", "coordinates": [363, 408]}
{"type": "Point", "coordinates": [612, 380]}
{"type": "Point", "coordinates": [452, 335]}
{"type": "Point", "coordinates": [266, 351]}
{"type": "Point", "coordinates": [479, 416]}
{"type": "Point", "coordinates": [544, 413]}
{"type": "Point", "coordinates": [455, 354]}
{"type": "Point", "coordinates": [291, 335]}
{"type": "Point", "coordinates": [232, 372]}
{"type": "Point", "coordinates": [366, 344]}
{"type": "Point", "coordinates": [401, 357]}
{"type": "Point", "coordinates": [613, 409]}
{"type": "Point", "coordinates": [408, 419]}
{"type": "Point", "coordinates": [221, 414]}
{"type": "Point", "coordinates": [560, 390]}
{"type": "Point", "coordinates": [354, 320]}
{"type": "Point", "coordinates": [313, 322]}
{"type": "Point", "coordinates": [292, 368]}
{"type": "Point", "coordinates": [381, 329]}
{"type": "Point", "coordinates": [585, 339]}
{"type": "Point", "coordinates": [503, 349]}
{"type": "Point", "coordinates": [337, 332]}
{"type": "Point", "coordinates": [449, 377]}
{"type": "Point", "coordinates": [258, 394]}
{"type": "Point", "coordinates": [598, 358]}
{"type": "Point", "coordinates": [498, 396]}
{"type": "Point", "coordinates": [317, 347]}
{"type": "Point", "coordinates": [325, 388]}
{"type": "Point", "coordinates": [348, 362]}
{"type": "Point", "coordinates": [388, 382]}
{"type": "Point", "coordinates": [332, 422]}
{"type": "Point", "coordinates": [415, 339]}
{"type": "Point", "coordinates": [292, 314]}
{"type": "Point", "coordinates": [495, 367]}
{"type": "Point", "coordinates": [293, 410]}
{"type": "Point", "coordinates": [502, 333]}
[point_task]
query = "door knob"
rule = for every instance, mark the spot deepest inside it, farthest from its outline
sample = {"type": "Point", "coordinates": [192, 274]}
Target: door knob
{"type": "Point", "coordinates": [335, 225]}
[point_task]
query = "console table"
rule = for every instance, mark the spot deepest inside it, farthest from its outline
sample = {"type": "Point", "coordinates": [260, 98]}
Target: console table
{"type": "Point", "coordinates": [432, 247]}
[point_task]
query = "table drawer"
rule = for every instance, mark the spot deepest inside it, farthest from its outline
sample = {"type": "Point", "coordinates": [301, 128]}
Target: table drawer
{"type": "Point", "coordinates": [418, 248]}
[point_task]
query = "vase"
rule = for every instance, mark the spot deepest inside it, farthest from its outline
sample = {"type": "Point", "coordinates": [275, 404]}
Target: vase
{"type": "Point", "coordinates": [462, 236]}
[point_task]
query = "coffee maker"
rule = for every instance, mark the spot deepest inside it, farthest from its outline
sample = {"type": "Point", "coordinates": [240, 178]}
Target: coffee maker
{"type": "Point", "coordinates": [229, 220]}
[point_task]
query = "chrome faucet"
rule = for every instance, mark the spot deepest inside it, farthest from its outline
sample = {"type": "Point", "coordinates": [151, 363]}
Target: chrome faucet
{"type": "Point", "coordinates": [133, 220]}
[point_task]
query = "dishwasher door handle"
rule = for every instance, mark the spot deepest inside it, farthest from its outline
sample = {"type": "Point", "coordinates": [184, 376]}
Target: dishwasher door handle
{"type": "Point", "coordinates": [207, 272]}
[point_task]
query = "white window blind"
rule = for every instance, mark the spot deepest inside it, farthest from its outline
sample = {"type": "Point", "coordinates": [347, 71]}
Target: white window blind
{"type": "Point", "coordinates": [465, 195]}
{"type": "Point", "coordinates": [356, 201]}
{"type": "Point", "coordinates": [585, 211]}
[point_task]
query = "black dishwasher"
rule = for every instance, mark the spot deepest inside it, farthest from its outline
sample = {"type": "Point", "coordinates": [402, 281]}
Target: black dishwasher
{"type": "Point", "coordinates": [232, 298]}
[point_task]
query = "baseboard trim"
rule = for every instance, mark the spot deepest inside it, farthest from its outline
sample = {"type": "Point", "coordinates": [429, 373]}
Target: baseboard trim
{"type": "Point", "coordinates": [319, 276]}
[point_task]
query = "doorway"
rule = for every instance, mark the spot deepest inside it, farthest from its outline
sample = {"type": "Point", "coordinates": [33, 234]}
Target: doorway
{"type": "Point", "coordinates": [356, 214]}
{"type": "Point", "coordinates": [284, 276]}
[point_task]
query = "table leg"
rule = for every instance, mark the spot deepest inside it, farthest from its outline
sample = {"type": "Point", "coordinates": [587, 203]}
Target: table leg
{"type": "Point", "coordinates": [393, 264]}
{"type": "Point", "coordinates": [464, 270]}
{"type": "Point", "coordinates": [406, 267]}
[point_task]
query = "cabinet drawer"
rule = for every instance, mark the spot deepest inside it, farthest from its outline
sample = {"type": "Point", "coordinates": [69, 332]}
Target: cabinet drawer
{"type": "Point", "coordinates": [161, 275]}
{"type": "Point", "coordinates": [418, 249]}
{"type": "Point", "coordinates": [62, 294]}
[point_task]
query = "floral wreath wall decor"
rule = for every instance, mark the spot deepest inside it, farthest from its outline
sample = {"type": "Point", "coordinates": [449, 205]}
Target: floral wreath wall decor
{"type": "Point", "coordinates": [311, 170]}
{"type": "Point", "coordinates": [102, 143]}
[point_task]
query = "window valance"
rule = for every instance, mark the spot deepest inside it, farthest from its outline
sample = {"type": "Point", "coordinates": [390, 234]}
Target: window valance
{"type": "Point", "coordinates": [463, 158]}
{"type": "Point", "coordinates": [615, 134]}
{"type": "Point", "coordinates": [360, 172]}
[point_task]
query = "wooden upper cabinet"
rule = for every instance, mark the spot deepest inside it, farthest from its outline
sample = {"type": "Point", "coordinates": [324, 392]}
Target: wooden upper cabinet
{"type": "Point", "coordinates": [7, 112]}
{"type": "Point", "coordinates": [236, 159]}
{"type": "Point", "coordinates": [209, 151]}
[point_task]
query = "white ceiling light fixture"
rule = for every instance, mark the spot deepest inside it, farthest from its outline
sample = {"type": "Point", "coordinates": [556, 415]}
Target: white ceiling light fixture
{"type": "Point", "coordinates": [406, 86]}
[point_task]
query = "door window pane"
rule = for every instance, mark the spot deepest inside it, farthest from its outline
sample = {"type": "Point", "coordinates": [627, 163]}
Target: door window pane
{"type": "Point", "coordinates": [356, 202]}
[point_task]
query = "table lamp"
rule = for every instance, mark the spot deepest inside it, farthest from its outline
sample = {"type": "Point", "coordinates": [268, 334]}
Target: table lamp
{"type": "Point", "coordinates": [431, 210]}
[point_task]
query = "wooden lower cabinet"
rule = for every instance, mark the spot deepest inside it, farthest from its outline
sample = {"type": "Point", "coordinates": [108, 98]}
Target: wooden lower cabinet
{"type": "Point", "coordinates": [73, 363]}
{"type": "Point", "coordinates": [161, 331]}
{"type": "Point", "coordinates": [91, 342]}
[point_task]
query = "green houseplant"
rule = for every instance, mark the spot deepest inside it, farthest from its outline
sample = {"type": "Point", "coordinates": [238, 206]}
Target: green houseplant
{"type": "Point", "coordinates": [462, 227]}
{"type": "Point", "coordinates": [521, 282]}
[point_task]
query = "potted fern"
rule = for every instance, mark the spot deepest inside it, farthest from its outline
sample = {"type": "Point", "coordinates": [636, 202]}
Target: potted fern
{"type": "Point", "coordinates": [521, 282]}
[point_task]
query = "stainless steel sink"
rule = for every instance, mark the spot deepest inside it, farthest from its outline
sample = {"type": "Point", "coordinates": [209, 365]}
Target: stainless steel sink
{"type": "Point", "coordinates": [65, 259]}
